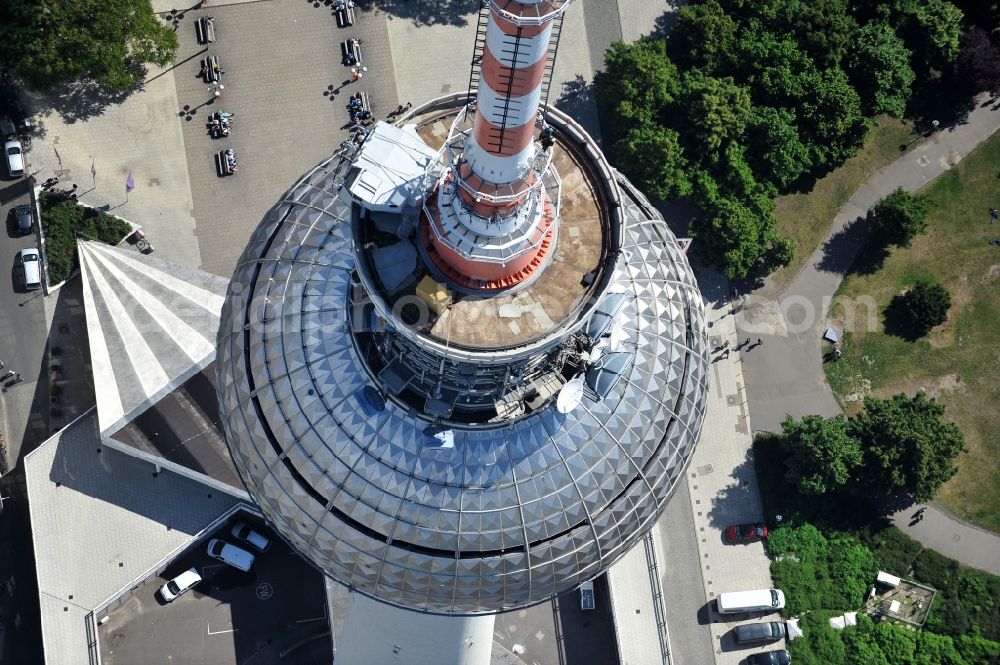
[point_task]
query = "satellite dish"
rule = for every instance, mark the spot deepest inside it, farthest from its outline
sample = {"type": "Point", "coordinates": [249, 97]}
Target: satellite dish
{"type": "Point", "coordinates": [570, 395]}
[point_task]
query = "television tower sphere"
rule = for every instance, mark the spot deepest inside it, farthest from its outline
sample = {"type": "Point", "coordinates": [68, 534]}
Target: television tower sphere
{"type": "Point", "coordinates": [463, 375]}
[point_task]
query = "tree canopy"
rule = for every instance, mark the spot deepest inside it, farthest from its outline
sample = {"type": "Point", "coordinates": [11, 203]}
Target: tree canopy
{"type": "Point", "coordinates": [901, 444]}
{"type": "Point", "coordinates": [926, 305]}
{"type": "Point", "coordinates": [978, 62]}
{"type": "Point", "coordinates": [907, 446]}
{"type": "Point", "coordinates": [900, 217]}
{"type": "Point", "coordinates": [823, 454]}
{"type": "Point", "coordinates": [47, 42]}
{"type": "Point", "coordinates": [880, 67]}
{"type": "Point", "coordinates": [759, 98]}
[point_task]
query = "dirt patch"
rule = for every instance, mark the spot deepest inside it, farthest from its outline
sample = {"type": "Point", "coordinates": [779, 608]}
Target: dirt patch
{"type": "Point", "coordinates": [991, 274]}
{"type": "Point", "coordinates": [935, 387]}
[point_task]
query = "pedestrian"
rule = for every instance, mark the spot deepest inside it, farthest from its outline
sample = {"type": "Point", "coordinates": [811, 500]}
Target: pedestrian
{"type": "Point", "coordinates": [726, 345]}
{"type": "Point", "coordinates": [760, 342]}
{"type": "Point", "coordinates": [736, 294]}
{"type": "Point", "coordinates": [994, 214]}
{"type": "Point", "coordinates": [747, 343]}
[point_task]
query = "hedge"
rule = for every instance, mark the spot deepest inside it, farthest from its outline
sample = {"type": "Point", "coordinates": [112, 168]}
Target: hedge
{"type": "Point", "coordinates": [62, 220]}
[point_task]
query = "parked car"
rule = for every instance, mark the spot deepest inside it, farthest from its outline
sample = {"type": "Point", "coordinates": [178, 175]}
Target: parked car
{"type": "Point", "coordinates": [243, 531]}
{"type": "Point", "coordinates": [179, 584]}
{"type": "Point", "coordinates": [230, 554]}
{"type": "Point", "coordinates": [759, 600]}
{"type": "Point", "coordinates": [779, 657]}
{"type": "Point", "coordinates": [587, 600]}
{"type": "Point", "coordinates": [6, 127]}
{"type": "Point", "coordinates": [15, 157]}
{"type": "Point", "coordinates": [750, 633]}
{"type": "Point", "coordinates": [31, 268]}
{"type": "Point", "coordinates": [24, 219]}
{"type": "Point", "coordinates": [745, 533]}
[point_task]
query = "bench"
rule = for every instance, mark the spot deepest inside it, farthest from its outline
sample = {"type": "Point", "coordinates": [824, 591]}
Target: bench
{"type": "Point", "coordinates": [366, 104]}
{"type": "Point", "coordinates": [222, 168]}
{"type": "Point", "coordinates": [345, 16]}
{"type": "Point", "coordinates": [350, 52]}
{"type": "Point", "coordinates": [204, 29]}
{"type": "Point", "coordinates": [212, 69]}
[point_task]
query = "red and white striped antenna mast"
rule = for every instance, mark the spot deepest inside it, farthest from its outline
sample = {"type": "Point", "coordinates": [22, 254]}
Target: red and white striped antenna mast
{"type": "Point", "coordinates": [493, 219]}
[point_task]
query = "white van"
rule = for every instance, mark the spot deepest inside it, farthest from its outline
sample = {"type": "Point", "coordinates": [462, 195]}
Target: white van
{"type": "Point", "coordinates": [31, 268]}
{"type": "Point", "coordinates": [230, 554]}
{"type": "Point", "coordinates": [761, 600]}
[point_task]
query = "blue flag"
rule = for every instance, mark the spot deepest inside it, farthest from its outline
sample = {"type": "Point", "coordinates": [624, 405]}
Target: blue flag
{"type": "Point", "coordinates": [129, 183]}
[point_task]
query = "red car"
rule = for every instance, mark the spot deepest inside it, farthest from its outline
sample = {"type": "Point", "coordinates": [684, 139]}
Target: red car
{"type": "Point", "coordinates": [745, 533]}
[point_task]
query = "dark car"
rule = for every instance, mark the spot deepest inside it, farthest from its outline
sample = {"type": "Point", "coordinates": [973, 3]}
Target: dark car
{"type": "Point", "coordinates": [745, 533]}
{"type": "Point", "coordinates": [23, 219]}
{"type": "Point", "coordinates": [750, 633]}
{"type": "Point", "coordinates": [779, 657]}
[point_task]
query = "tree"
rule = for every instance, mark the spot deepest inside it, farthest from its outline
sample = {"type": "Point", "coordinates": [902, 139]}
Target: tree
{"type": "Point", "coordinates": [926, 305]}
{"type": "Point", "coordinates": [832, 122]}
{"type": "Point", "coordinates": [880, 69]}
{"type": "Point", "coordinates": [930, 28]}
{"type": "Point", "coordinates": [933, 649]}
{"type": "Point", "coordinates": [651, 155]}
{"type": "Point", "coordinates": [732, 235]}
{"type": "Point", "coordinates": [713, 110]}
{"type": "Point", "coordinates": [900, 217]}
{"type": "Point", "coordinates": [47, 42]}
{"type": "Point", "coordinates": [638, 81]}
{"type": "Point", "coordinates": [822, 453]}
{"type": "Point", "coordinates": [907, 446]}
{"type": "Point", "coordinates": [824, 28]}
{"type": "Point", "coordinates": [703, 37]}
{"type": "Point", "coordinates": [978, 62]}
{"type": "Point", "coordinates": [776, 151]}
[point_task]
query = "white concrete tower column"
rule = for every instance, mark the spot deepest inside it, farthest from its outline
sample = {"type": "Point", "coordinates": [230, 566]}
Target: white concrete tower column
{"type": "Point", "coordinates": [378, 634]}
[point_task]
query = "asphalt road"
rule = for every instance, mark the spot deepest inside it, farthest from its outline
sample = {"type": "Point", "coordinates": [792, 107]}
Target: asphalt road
{"type": "Point", "coordinates": [23, 335]}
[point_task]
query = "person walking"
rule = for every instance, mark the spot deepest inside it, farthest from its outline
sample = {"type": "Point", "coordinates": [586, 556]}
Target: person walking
{"type": "Point", "coordinates": [760, 342]}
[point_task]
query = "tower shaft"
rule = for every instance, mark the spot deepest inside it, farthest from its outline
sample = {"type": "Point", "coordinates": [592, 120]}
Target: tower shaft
{"type": "Point", "coordinates": [495, 218]}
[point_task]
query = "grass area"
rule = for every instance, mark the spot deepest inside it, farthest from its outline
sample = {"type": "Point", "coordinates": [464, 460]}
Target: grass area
{"type": "Point", "coordinates": [806, 218]}
{"type": "Point", "coordinates": [958, 362]}
{"type": "Point", "coordinates": [62, 220]}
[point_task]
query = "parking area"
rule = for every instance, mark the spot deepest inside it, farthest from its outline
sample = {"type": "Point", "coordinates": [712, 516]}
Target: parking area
{"type": "Point", "coordinates": [231, 617]}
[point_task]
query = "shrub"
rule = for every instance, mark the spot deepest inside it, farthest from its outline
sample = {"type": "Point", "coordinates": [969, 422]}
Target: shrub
{"type": "Point", "coordinates": [819, 573]}
{"type": "Point", "coordinates": [926, 305]}
{"type": "Point", "coordinates": [893, 550]}
{"type": "Point", "coordinates": [900, 217]}
{"type": "Point", "coordinates": [968, 600]}
{"type": "Point", "coordinates": [62, 220]}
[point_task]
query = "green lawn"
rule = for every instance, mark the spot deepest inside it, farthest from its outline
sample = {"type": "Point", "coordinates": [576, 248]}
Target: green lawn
{"type": "Point", "coordinates": [959, 361]}
{"type": "Point", "coordinates": [806, 218]}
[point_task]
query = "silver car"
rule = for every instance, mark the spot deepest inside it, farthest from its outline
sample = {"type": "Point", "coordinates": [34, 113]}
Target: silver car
{"type": "Point", "coordinates": [15, 157]}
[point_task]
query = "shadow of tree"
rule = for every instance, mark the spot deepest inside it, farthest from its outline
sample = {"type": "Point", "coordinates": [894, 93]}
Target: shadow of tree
{"type": "Point", "coordinates": [842, 248]}
{"type": "Point", "coordinates": [942, 99]}
{"type": "Point", "coordinates": [896, 321]}
{"type": "Point", "coordinates": [428, 12]}
{"type": "Point", "coordinates": [80, 100]}
{"type": "Point", "coordinates": [578, 100]}
{"type": "Point", "coordinates": [738, 502]}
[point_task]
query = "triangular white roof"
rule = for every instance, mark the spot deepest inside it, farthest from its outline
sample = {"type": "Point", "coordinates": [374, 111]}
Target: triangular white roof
{"type": "Point", "coordinates": [151, 323]}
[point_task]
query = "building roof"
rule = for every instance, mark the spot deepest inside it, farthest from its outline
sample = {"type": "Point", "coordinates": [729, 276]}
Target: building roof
{"type": "Point", "coordinates": [99, 520]}
{"type": "Point", "coordinates": [510, 514]}
{"type": "Point", "coordinates": [151, 325]}
{"type": "Point", "coordinates": [390, 168]}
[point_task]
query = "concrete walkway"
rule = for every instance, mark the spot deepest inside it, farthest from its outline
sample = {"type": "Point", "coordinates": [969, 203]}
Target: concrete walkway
{"type": "Point", "coordinates": [785, 374]}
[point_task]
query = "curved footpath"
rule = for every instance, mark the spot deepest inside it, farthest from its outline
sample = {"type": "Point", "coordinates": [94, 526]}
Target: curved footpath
{"type": "Point", "coordinates": [785, 375]}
